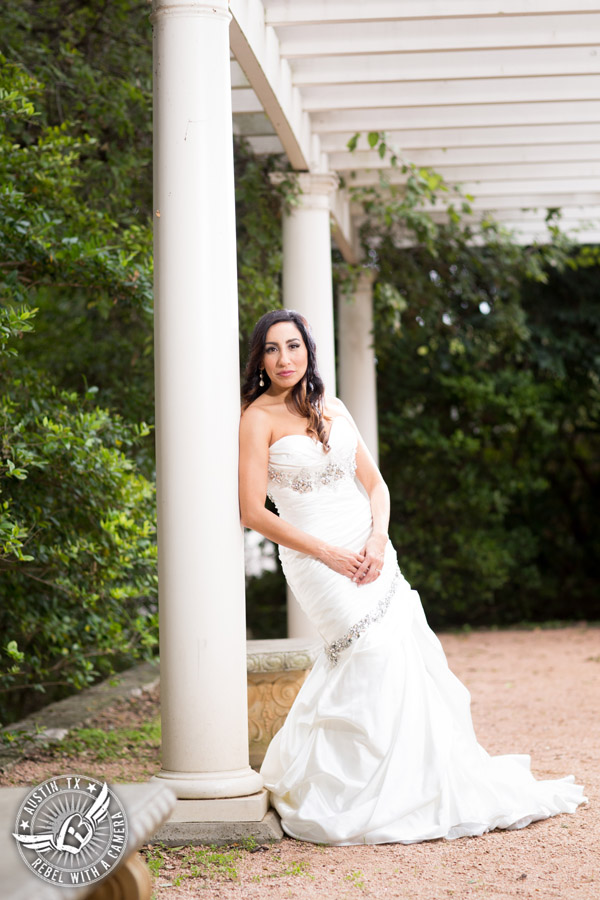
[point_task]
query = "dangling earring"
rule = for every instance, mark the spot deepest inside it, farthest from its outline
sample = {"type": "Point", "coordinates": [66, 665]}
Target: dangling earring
{"type": "Point", "coordinates": [260, 381]}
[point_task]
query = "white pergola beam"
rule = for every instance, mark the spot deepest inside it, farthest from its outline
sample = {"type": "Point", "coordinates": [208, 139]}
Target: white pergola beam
{"type": "Point", "coordinates": [524, 238]}
{"type": "Point", "coordinates": [483, 174]}
{"type": "Point", "coordinates": [495, 63]}
{"type": "Point", "coordinates": [517, 188]}
{"type": "Point", "coordinates": [344, 231]}
{"type": "Point", "coordinates": [255, 46]}
{"type": "Point", "coordinates": [536, 232]}
{"type": "Point", "coordinates": [568, 215]}
{"type": "Point", "coordinates": [500, 188]}
{"type": "Point", "coordinates": [455, 93]}
{"type": "Point", "coordinates": [445, 160]}
{"type": "Point", "coordinates": [316, 12]}
{"type": "Point", "coordinates": [455, 117]}
{"type": "Point", "coordinates": [528, 236]}
{"type": "Point", "coordinates": [410, 35]}
{"type": "Point", "coordinates": [256, 49]}
{"type": "Point", "coordinates": [448, 138]}
{"type": "Point", "coordinates": [519, 201]}
{"type": "Point", "coordinates": [525, 201]}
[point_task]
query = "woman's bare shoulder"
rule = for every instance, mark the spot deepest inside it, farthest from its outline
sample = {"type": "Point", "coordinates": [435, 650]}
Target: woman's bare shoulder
{"type": "Point", "coordinates": [255, 408]}
{"type": "Point", "coordinates": [333, 404]}
{"type": "Point", "coordinates": [255, 419]}
{"type": "Point", "coordinates": [336, 407]}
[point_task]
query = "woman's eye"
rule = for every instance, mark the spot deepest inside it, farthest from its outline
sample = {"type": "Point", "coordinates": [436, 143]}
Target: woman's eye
{"type": "Point", "coordinates": [294, 346]}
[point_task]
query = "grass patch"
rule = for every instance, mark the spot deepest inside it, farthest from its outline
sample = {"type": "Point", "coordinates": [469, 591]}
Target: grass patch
{"type": "Point", "coordinates": [206, 863]}
{"type": "Point", "coordinates": [155, 859]}
{"type": "Point", "coordinates": [301, 867]}
{"type": "Point", "coordinates": [212, 863]}
{"type": "Point", "coordinates": [103, 746]}
{"type": "Point", "coordinates": [357, 879]}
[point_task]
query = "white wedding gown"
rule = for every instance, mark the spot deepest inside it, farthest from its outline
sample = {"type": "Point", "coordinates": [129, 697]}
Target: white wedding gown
{"type": "Point", "coordinates": [379, 745]}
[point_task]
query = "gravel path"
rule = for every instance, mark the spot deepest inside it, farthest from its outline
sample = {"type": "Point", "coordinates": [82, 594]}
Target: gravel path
{"type": "Point", "coordinates": [535, 692]}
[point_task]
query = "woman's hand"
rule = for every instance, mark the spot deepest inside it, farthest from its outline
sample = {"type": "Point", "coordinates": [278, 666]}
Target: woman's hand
{"type": "Point", "coordinates": [342, 560]}
{"type": "Point", "coordinates": [373, 556]}
{"type": "Point", "coordinates": [362, 567]}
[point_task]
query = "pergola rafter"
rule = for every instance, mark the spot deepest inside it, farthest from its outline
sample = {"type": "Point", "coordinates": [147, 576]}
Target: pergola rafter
{"type": "Point", "coordinates": [504, 98]}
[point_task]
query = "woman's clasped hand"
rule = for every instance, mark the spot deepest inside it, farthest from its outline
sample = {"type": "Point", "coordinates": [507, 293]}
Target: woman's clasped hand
{"type": "Point", "coordinates": [363, 567]}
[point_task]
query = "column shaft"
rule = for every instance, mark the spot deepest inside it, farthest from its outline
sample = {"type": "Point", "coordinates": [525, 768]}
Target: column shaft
{"type": "Point", "coordinates": [356, 364]}
{"type": "Point", "coordinates": [307, 281]}
{"type": "Point", "coordinates": [201, 560]}
{"type": "Point", "coordinates": [307, 287]}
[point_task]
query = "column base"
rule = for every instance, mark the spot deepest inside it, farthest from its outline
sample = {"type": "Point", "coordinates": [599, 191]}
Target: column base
{"type": "Point", "coordinates": [206, 786]}
{"type": "Point", "coordinates": [220, 822]}
{"type": "Point", "coordinates": [227, 809]}
{"type": "Point", "coordinates": [220, 834]}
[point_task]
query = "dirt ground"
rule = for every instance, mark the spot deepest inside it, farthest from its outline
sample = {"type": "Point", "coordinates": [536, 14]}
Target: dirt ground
{"type": "Point", "coordinates": [535, 692]}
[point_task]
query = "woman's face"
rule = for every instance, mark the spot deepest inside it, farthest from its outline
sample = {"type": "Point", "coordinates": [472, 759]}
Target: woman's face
{"type": "Point", "coordinates": [285, 358]}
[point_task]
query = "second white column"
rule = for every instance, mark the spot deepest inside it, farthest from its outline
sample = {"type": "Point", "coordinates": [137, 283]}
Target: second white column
{"type": "Point", "coordinates": [308, 288]}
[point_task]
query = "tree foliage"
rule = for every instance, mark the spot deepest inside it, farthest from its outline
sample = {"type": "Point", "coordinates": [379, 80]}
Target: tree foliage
{"type": "Point", "coordinates": [81, 185]}
{"type": "Point", "coordinates": [77, 550]}
{"type": "Point", "coordinates": [488, 406]}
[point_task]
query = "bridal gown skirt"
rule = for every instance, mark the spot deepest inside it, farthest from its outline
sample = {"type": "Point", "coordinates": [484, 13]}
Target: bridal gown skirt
{"type": "Point", "coordinates": [379, 744]}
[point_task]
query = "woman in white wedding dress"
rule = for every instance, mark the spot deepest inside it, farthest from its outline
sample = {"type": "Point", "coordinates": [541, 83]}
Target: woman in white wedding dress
{"type": "Point", "coordinates": [378, 746]}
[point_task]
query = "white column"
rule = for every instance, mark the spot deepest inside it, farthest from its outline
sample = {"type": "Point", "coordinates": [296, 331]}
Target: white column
{"type": "Point", "coordinates": [356, 358]}
{"type": "Point", "coordinates": [308, 288]}
{"type": "Point", "coordinates": [307, 277]}
{"type": "Point", "coordinates": [200, 539]}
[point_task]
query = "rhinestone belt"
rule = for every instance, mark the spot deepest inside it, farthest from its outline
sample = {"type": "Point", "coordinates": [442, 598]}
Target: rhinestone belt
{"type": "Point", "coordinates": [312, 477]}
{"type": "Point", "coordinates": [334, 650]}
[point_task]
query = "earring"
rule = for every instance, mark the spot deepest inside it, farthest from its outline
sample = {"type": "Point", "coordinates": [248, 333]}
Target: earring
{"type": "Point", "coordinates": [260, 381]}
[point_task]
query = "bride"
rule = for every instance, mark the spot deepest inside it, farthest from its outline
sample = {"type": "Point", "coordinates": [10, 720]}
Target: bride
{"type": "Point", "coordinates": [379, 745]}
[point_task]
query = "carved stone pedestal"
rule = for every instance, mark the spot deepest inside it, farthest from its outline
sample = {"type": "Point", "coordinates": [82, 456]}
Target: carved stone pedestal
{"type": "Point", "coordinates": [276, 672]}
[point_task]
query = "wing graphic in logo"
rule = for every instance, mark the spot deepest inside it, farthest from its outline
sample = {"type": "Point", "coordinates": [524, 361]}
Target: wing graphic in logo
{"type": "Point", "coordinates": [39, 842]}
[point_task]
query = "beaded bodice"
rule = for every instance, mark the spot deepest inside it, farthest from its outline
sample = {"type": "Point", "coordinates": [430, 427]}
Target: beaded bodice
{"type": "Point", "coordinates": [307, 467]}
{"type": "Point", "coordinates": [318, 493]}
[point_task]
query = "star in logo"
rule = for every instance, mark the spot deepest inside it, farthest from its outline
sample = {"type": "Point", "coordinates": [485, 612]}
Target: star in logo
{"type": "Point", "coordinates": [91, 788]}
{"type": "Point", "coordinates": [24, 824]}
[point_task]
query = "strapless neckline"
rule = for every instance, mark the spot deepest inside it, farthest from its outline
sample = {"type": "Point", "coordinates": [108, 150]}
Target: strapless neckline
{"type": "Point", "coordinates": [306, 436]}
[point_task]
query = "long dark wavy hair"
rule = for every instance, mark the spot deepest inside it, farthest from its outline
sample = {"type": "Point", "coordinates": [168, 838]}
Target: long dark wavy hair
{"type": "Point", "coordinates": [306, 398]}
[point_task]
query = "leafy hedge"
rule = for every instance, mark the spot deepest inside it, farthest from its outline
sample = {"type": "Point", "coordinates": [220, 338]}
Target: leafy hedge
{"type": "Point", "coordinates": [489, 409]}
{"type": "Point", "coordinates": [77, 548]}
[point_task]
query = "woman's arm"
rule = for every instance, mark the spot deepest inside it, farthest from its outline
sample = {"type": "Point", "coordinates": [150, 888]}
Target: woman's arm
{"type": "Point", "coordinates": [370, 477]}
{"type": "Point", "coordinates": [255, 432]}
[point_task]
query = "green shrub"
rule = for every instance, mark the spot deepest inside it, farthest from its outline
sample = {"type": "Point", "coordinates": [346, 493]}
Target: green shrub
{"type": "Point", "coordinates": [77, 552]}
